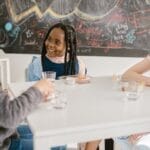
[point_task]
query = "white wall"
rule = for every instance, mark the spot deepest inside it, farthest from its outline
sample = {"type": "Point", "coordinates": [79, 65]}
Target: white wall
{"type": "Point", "coordinates": [96, 65]}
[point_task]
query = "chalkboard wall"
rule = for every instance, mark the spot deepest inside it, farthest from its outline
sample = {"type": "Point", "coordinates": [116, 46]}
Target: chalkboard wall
{"type": "Point", "coordinates": [104, 27]}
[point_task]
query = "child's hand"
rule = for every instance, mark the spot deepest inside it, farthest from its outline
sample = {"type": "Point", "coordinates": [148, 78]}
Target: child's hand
{"type": "Point", "coordinates": [81, 79]}
{"type": "Point", "coordinates": [135, 137]}
{"type": "Point", "coordinates": [45, 87]}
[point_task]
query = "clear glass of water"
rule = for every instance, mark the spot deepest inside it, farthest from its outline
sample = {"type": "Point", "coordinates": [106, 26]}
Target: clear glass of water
{"type": "Point", "coordinates": [60, 100]}
{"type": "Point", "coordinates": [133, 91]}
{"type": "Point", "coordinates": [49, 75]}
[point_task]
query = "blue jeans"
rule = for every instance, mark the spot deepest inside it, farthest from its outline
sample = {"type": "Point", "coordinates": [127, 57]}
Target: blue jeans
{"type": "Point", "coordinates": [25, 140]}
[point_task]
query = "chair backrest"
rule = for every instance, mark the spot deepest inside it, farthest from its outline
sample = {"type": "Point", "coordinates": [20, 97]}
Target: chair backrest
{"type": "Point", "coordinates": [4, 72]}
{"type": "Point", "coordinates": [34, 70]}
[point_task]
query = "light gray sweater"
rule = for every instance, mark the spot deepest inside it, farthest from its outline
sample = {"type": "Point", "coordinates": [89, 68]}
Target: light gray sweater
{"type": "Point", "coordinates": [12, 113]}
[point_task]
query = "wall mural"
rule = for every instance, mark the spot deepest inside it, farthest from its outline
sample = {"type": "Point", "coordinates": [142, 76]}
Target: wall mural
{"type": "Point", "coordinates": [104, 27]}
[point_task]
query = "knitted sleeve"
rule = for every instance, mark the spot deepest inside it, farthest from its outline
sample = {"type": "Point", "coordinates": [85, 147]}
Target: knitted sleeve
{"type": "Point", "coordinates": [13, 112]}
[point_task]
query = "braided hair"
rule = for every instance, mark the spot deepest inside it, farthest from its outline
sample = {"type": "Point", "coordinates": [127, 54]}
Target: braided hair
{"type": "Point", "coordinates": [71, 47]}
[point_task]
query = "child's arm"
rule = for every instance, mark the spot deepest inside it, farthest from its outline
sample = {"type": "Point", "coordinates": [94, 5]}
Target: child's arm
{"type": "Point", "coordinates": [136, 72]}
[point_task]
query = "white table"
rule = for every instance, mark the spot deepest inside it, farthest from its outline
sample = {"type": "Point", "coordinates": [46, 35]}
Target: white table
{"type": "Point", "coordinates": [94, 111]}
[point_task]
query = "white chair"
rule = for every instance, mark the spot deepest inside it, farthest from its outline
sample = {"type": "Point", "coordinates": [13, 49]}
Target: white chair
{"type": "Point", "coordinates": [4, 71]}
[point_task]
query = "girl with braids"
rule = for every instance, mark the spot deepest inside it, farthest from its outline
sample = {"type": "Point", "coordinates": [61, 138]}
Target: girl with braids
{"type": "Point", "coordinates": [59, 54]}
{"type": "Point", "coordinates": [59, 51]}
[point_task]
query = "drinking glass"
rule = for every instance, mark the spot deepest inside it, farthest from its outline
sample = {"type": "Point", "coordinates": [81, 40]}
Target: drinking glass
{"type": "Point", "coordinates": [60, 100]}
{"type": "Point", "coordinates": [133, 91]}
{"type": "Point", "coordinates": [49, 75]}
